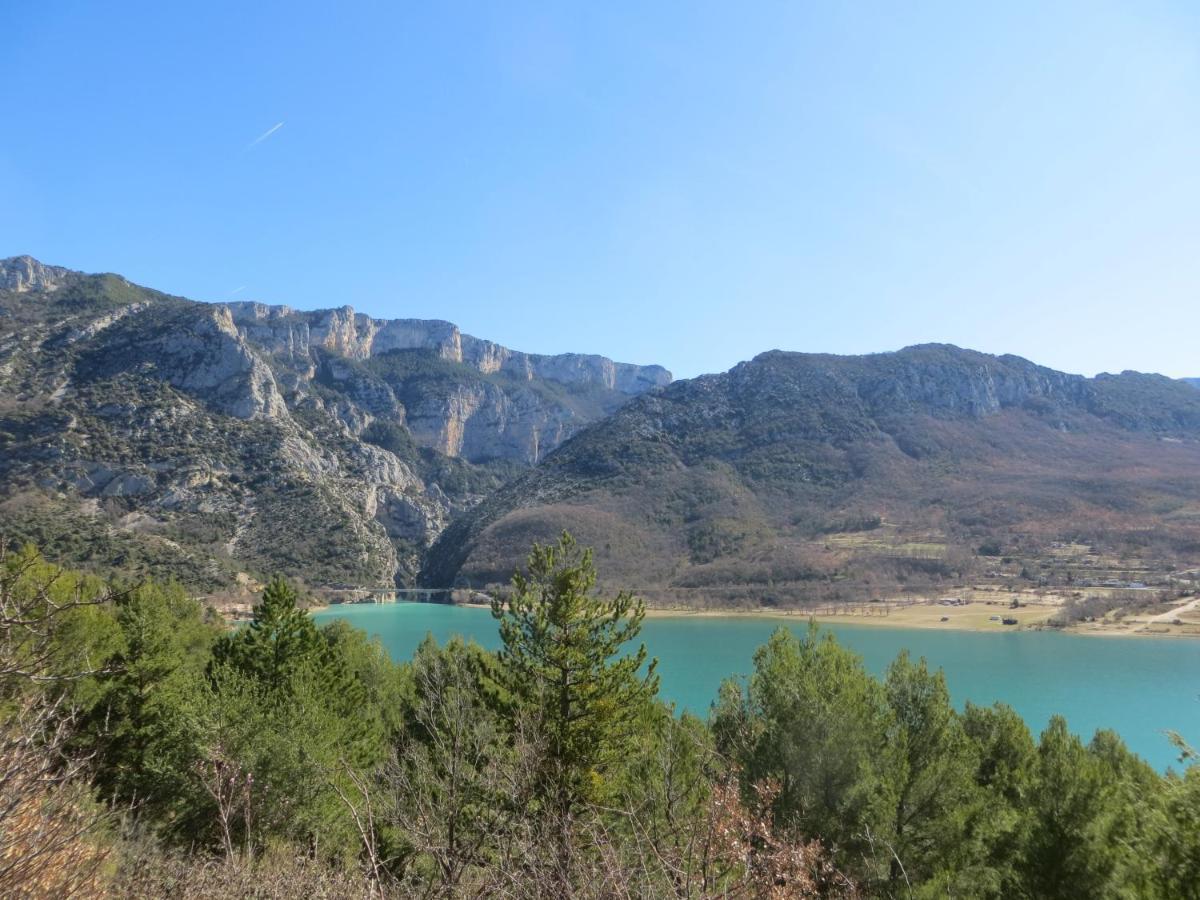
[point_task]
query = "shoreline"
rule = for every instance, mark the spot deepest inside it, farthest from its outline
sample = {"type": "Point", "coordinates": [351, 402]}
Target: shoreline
{"type": "Point", "coordinates": [973, 617]}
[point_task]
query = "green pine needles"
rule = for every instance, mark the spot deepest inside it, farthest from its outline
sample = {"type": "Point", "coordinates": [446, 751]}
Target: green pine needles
{"type": "Point", "coordinates": [562, 662]}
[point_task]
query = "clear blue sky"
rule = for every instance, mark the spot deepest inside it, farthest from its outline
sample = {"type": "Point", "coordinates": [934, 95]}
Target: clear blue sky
{"type": "Point", "coordinates": [685, 183]}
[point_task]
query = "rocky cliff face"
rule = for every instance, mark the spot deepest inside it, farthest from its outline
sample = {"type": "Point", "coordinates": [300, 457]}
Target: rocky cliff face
{"type": "Point", "coordinates": [510, 416]}
{"type": "Point", "coordinates": [284, 331]}
{"type": "Point", "coordinates": [219, 438]}
{"type": "Point", "coordinates": [194, 348]}
{"type": "Point", "coordinates": [24, 273]}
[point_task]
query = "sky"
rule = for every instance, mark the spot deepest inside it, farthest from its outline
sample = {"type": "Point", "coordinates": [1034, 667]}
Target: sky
{"type": "Point", "coordinates": [682, 183]}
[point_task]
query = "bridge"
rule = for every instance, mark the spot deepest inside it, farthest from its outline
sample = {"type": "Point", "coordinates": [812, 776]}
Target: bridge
{"type": "Point", "coordinates": [392, 594]}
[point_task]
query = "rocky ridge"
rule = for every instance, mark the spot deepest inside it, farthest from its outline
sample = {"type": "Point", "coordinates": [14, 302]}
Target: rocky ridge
{"type": "Point", "coordinates": [284, 331]}
{"type": "Point", "coordinates": [842, 477]}
{"type": "Point", "coordinates": [232, 437]}
{"type": "Point", "coordinates": [24, 273]}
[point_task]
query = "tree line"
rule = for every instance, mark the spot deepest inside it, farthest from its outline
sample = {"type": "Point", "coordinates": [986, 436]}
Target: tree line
{"type": "Point", "coordinates": [147, 750]}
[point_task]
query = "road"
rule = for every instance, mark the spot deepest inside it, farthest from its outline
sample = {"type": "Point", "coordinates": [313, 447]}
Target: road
{"type": "Point", "coordinates": [1173, 614]}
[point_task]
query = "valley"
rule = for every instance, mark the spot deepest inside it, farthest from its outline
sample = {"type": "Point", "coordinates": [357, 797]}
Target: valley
{"type": "Point", "coordinates": [604, 451]}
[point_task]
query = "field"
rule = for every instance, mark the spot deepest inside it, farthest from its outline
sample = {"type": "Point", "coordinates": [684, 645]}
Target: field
{"type": "Point", "coordinates": [975, 615]}
{"type": "Point", "coordinates": [981, 610]}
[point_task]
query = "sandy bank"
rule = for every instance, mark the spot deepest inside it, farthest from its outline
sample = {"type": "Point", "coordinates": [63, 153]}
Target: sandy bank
{"type": "Point", "coordinates": [974, 616]}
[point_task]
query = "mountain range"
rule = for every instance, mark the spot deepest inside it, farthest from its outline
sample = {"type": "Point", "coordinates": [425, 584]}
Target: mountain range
{"type": "Point", "coordinates": [228, 441]}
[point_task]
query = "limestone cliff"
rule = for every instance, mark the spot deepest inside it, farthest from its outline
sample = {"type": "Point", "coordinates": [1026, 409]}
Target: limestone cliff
{"type": "Point", "coordinates": [24, 273]}
{"type": "Point", "coordinates": [466, 397]}
{"type": "Point", "coordinates": [285, 331]}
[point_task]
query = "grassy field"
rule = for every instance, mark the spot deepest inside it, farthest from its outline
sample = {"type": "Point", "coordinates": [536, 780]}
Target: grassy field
{"type": "Point", "coordinates": [976, 614]}
{"type": "Point", "coordinates": [969, 617]}
{"type": "Point", "coordinates": [972, 616]}
{"type": "Point", "coordinates": [1181, 621]}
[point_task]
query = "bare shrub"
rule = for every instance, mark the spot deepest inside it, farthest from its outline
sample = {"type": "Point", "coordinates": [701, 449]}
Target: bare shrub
{"type": "Point", "coordinates": [148, 872]}
{"type": "Point", "coordinates": [46, 817]}
{"type": "Point", "coordinates": [47, 822]}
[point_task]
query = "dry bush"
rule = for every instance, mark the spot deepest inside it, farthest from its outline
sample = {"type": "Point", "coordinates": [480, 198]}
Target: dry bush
{"type": "Point", "coordinates": [731, 851]}
{"type": "Point", "coordinates": [147, 872]}
{"type": "Point", "coordinates": [752, 859]}
{"type": "Point", "coordinates": [48, 825]}
{"type": "Point", "coordinates": [47, 822]}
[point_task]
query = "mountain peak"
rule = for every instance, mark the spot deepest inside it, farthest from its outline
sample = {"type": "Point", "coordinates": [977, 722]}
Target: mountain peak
{"type": "Point", "coordinates": [24, 273]}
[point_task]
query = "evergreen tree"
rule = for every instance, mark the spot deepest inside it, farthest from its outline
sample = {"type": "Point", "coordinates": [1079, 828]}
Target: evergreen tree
{"type": "Point", "coordinates": [310, 722]}
{"type": "Point", "coordinates": [1177, 837]}
{"type": "Point", "coordinates": [562, 661]}
{"type": "Point", "coordinates": [1068, 852]}
{"type": "Point", "coordinates": [381, 681]}
{"type": "Point", "coordinates": [280, 639]}
{"type": "Point", "coordinates": [282, 648]}
{"type": "Point", "coordinates": [1005, 758]}
{"type": "Point", "coordinates": [140, 722]}
{"type": "Point", "coordinates": [815, 721]}
{"type": "Point", "coordinates": [1135, 801]}
{"type": "Point", "coordinates": [936, 797]}
{"type": "Point", "coordinates": [1006, 751]}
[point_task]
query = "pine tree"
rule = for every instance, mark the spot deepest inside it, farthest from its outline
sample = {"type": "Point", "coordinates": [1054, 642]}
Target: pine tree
{"type": "Point", "coordinates": [286, 709]}
{"type": "Point", "coordinates": [282, 650]}
{"type": "Point", "coordinates": [136, 724]}
{"type": "Point", "coordinates": [278, 642]}
{"type": "Point", "coordinates": [1068, 850]}
{"type": "Point", "coordinates": [935, 794]}
{"type": "Point", "coordinates": [1006, 755]}
{"type": "Point", "coordinates": [814, 720]}
{"type": "Point", "coordinates": [1177, 837]}
{"type": "Point", "coordinates": [562, 663]}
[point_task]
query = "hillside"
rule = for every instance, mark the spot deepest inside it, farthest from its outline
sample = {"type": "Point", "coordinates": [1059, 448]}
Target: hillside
{"type": "Point", "coordinates": [797, 476]}
{"type": "Point", "coordinates": [231, 440]}
{"type": "Point", "coordinates": [225, 440]}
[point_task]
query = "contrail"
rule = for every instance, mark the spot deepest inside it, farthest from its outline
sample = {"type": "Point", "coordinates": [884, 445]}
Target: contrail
{"type": "Point", "coordinates": [237, 290]}
{"type": "Point", "coordinates": [266, 134]}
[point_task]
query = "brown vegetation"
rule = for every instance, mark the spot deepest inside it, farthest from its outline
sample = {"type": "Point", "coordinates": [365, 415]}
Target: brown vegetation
{"type": "Point", "coordinates": [768, 487]}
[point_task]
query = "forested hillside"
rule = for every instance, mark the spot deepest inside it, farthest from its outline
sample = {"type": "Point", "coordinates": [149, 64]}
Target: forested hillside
{"type": "Point", "coordinates": [802, 477]}
{"type": "Point", "coordinates": [150, 752]}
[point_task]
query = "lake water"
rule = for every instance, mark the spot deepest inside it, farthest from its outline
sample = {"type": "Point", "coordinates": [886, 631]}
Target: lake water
{"type": "Point", "coordinates": [1137, 686]}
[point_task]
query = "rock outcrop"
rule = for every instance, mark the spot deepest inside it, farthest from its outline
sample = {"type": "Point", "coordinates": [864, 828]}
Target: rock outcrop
{"type": "Point", "coordinates": [24, 273]}
{"type": "Point", "coordinates": [283, 330]}
{"type": "Point", "coordinates": [472, 399]}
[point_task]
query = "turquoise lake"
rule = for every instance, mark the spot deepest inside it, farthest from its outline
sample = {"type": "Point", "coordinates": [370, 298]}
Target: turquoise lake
{"type": "Point", "coordinates": [1137, 686]}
